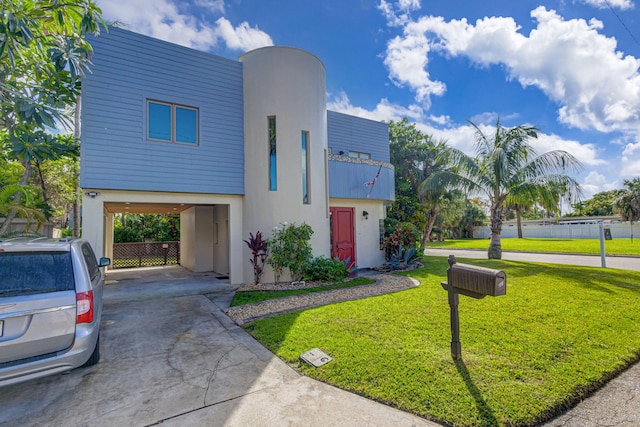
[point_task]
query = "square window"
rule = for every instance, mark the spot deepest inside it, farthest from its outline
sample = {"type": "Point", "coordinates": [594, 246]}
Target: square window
{"type": "Point", "coordinates": [172, 122]}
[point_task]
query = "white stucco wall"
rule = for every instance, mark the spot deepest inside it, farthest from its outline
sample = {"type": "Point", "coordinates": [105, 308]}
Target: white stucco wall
{"type": "Point", "coordinates": [289, 84]}
{"type": "Point", "coordinates": [367, 237]}
{"type": "Point", "coordinates": [220, 240]}
{"type": "Point", "coordinates": [96, 224]}
{"type": "Point", "coordinates": [196, 238]}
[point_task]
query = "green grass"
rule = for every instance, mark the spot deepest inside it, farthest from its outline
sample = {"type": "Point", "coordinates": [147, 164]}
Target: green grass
{"type": "Point", "coordinates": [248, 297]}
{"type": "Point", "coordinates": [579, 246]}
{"type": "Point", "coordinates": [558, 334]}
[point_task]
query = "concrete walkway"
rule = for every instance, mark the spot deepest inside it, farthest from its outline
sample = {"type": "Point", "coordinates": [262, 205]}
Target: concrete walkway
{"type": "Point", "coordinates": [616, 404]}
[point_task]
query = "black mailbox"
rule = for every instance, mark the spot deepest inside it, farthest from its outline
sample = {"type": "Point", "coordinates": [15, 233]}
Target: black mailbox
{"type": "Point", "coordinates": [472, 281]}
{"type": "Point", "coordinates": [477, 281]}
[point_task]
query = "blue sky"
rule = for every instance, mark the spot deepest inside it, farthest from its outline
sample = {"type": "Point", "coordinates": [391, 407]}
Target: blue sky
{"type": "Point", "coordinates": [569, 67]}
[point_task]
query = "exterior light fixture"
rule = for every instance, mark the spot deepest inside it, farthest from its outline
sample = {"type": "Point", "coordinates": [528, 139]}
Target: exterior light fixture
{"type": "Point", "coordinates": [365, 214]}
{"type": "Point", "coordinates": [92, 194]}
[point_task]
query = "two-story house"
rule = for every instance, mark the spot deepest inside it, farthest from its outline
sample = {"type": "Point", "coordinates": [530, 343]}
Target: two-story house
{"type": "Point", "coordinates": [233, 146]}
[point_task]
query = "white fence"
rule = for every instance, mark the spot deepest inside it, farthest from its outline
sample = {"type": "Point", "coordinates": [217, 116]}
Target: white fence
{"type": "Point", "coordinates": [619, 230]}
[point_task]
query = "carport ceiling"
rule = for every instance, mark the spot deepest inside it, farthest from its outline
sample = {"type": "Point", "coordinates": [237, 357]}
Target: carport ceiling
{"type": "Point", "coordinates": [145, 208]}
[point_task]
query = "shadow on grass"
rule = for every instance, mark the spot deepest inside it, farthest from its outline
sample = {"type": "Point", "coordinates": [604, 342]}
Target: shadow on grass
{"type": "Point", "coordinates": [485, 411]}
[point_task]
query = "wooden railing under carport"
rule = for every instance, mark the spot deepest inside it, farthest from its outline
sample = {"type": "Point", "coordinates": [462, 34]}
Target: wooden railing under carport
{"type": "Point", "coordinates": [145, 254]}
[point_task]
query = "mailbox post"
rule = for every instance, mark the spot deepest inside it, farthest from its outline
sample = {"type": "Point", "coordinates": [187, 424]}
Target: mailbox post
{"type": "Point", "coordinates": [472, 281]}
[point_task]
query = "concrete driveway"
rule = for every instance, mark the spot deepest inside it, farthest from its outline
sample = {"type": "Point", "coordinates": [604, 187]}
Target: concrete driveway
{"type": "Point", "coordinates": [170, 356]}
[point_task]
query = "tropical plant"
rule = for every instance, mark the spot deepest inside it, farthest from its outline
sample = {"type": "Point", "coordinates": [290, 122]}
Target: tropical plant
{"type": "Point", "coordinates": [259, 254]}
{"type": "Point", "coordinates": [403, 234]}
{"type": "Point", "coordinates": [290, 248]}
{"type": "Point", "coordinates": [401, 259]}
{"type": "Point", "coordinates": [415, 156]}
{"type": "Point", "coordinates": [627, 205]}
{"type": "Point", "coordinates": [22, 199]}
{"type": "Point", "coordinates": [506, 166]}
{"type": "Point", "coordinates": [43, 52]}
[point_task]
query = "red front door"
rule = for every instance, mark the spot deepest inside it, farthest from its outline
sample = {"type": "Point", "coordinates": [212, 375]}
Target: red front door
{"type": "Point", "coordinates": [342, 241]}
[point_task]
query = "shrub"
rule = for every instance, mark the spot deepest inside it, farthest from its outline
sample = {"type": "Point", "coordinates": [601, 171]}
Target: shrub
{"type": "Point", "coordinates": [290, 248]}
{"type": "Point", "coordinates": [259, 253]}
{"type": "Point", "coordinates": [326, 270]}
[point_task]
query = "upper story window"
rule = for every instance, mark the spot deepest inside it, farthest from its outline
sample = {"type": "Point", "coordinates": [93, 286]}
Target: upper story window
{"type": "Point", "coordinates": [172, 122]}
{"type": "Point", "coordinates": [359, 155]}
{"type": "Point", "coordinates": [273, 165]}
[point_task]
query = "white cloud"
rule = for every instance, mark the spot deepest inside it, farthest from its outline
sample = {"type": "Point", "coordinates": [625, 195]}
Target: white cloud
{"type": "Point", "coordinates": [631, 161]}
{"type": "Point", "coordinates": [596, 86]}
{"type": "Point", "coordinates": [594, 182]}
{"type": "Point", "coordinates": [211, 5]}
{"type": "Point", "coordinates": [164, 19]}
{"type": "Point", "coordinates": [407, 60]}
{"type": "Point", "coordinates": [602, 4]}
{"type": "Point", "coordinates": [383, 111]}
{"type": "Point", "coordinates": [587, 154]}
{"type": "Point", "coordinates": [242, 37]}
{"type": "Point", "coordinates": [400, 14]}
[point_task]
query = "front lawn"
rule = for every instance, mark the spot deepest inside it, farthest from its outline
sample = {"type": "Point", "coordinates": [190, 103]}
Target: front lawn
{"type": "Point", "coordinates": [579, 246]}
{"type": "Point", "coordinates": [558, 334]}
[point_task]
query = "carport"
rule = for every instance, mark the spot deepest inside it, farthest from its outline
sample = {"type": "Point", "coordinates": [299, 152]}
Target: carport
{"type": "Point", "coordinates": [210, 225]}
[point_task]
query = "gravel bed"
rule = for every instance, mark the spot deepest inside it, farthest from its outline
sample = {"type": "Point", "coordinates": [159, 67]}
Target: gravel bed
{"type": "Point", "coordinates": [385, 283]}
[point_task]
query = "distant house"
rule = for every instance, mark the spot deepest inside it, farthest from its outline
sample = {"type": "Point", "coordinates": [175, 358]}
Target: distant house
{"type": "Point", "coordinates": [233, 146]}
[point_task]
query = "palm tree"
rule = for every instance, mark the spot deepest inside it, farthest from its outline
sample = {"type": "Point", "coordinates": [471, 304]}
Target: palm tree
{"type": "Point", "coordinates": [546, 193]}
{"type": "Point", "coordinates": [506, 168]}
{"type": "Point", "coordinates": [438, 159]}
{"type": "Point", "coordinates": [627, 204]}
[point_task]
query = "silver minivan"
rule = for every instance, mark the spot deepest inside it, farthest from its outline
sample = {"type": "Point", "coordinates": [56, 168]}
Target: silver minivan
{"type": "Point", "coordinates": [50, 307]}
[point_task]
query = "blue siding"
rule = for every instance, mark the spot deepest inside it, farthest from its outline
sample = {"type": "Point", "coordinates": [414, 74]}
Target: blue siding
{"type": "Point", "coordinates": [349, 133]}
{"type": "Point", "coordinates": [347, 181]}
{"type": "Point", "coordinates": [128, 69]}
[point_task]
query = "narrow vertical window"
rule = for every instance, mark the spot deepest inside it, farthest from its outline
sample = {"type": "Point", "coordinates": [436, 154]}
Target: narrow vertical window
{"type": "Point", "coordinates": [305, 168]}
{"type": "Point", "coordinates": [273, 169]}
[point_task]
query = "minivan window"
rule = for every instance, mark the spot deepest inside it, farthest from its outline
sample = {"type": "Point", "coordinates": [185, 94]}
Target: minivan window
{"type": "Point", "coordinates": [24, 273]}
{"type": "Point", "coordinates": [90, 260]}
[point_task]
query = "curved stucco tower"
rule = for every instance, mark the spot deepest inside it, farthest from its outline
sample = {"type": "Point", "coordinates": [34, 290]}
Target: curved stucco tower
{"type": "Point", "coordinates": [285, 130]}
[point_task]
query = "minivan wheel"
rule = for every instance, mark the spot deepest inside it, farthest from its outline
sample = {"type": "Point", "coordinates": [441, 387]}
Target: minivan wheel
{"type": "Point", "coordinates": [95, 356]}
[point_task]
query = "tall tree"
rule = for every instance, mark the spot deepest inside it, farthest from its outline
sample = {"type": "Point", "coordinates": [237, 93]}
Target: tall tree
{"type": "Point", "coordinates": [601, 204]}
{"type": "Point", "coordinates": [627, 205]}
{"type": "Point", "coordinates": [546, 193]}
{"type": "Point", "coordinates": [415, 156]}
{"type": "Point", "coordinates": [506, 165]}
{"type": "Point", "coordinates": [43, 53]}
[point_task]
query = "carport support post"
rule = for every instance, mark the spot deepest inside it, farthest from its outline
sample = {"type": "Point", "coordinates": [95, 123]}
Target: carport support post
{"type": "Point", "coordinates": [456, 348]}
